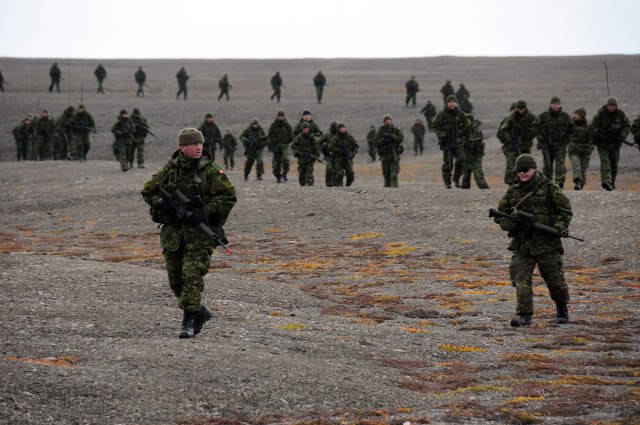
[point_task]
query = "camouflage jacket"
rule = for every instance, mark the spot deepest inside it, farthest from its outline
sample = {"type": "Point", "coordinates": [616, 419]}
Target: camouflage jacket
{"type": "Point", "coordinates": [100, 72]}
{"type": "Point", "coordinates": [610, 128]}
{"type": "Point", "coordinates": [451, 127]}
{"type": "Point", "coordinates": [182, 77]}
{"type": "Point", "coordinates": [314, 130]}
{"type": "Point", "coordinates": [23, 132]}
{"type": "Point", "coordinates": [475, 144]}
{"type": "Point", "coordinates": [518, 125]}
{"type": "Point", "coordinates": [446, 90]}
{"type": "Point", "coordinates": [412, 86]}
{"type": "Point", "coordinates": [319, 80]}
{"type": "Point", "coordinates": [64, 122]}
{"type": "Point", "coordinates": [635, 130]}
{"type": "Point", "coordinates": [429, 110]}
{"type": "Point", "coordinates": [211, 134]}
{"type": "Point", "coordinates": [304, 146]}
{"type": "Point", "coordinates": [388, 140]}
{"type": "Point", "coordinates": [324, 140]}
{"type": "Point", "coordinates": [546, 201]}
{"type": "Point", "coordinates": [462, 94]}
{"type": "Point", "coordinates": [141, 126]}
{"type": "Point", "coordinates": [418, 131]}
{"type": "Point", "coordinates": [342, 145]}
{"type": "Point", "coordinates": [279, 134]}
{"type": "Point", "coordinates": [54, 72]}
{"type": "Point", "coordinates": [556, 125]}
{"type": "Point", "coordinates": [371, 137]}
{"type": "Point", "coordinates": [229, 142]}
{"type": "Point", "coordinates": [44, 127]}
{"type": "Point", "coordinates": [253, 139]}
{"type": "Point", "coordinates": [123, 129]}
{"type": "Point", "coordinates": [223, 84]}
{"type": "Point", "coordinates": [276, 81]}
{"type": "Point", "coordinates": [140, 76]}
{"type": "Point", "coordinates": [82, 122]}
{"type": "Point", "coordinates": [580, 139]}
{"type": "Point", "coordinates": [192, 177]}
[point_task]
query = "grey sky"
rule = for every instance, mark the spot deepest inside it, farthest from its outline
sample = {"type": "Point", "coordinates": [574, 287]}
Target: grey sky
{"type": "Point", "coordinates": [292, 29]}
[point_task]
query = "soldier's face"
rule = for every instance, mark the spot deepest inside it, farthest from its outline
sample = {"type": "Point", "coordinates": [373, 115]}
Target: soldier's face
{"type": "Point", "coordinates": [525, 176]}
{"type": "Point", "coordinates": [192, 151]}
{"type": "Point", "coordinates": [280, 117]}
{"type": "Point", "coordinates": [611, 108]}
{"type": "Point", "coordinates": [306, 117]}
{"type": "Point", "coordinates": [342, 130]}
{"type": "Point", "coordinates": [387, 122]}
{"type": "Point", "coordinates": [555, 107]}
{"type": "Point", "coordinates": [521, 110]}
{"type": "Point", "coordinates": [577, 117]}
{"type": "Point", "coordinates": [209, 120]}
{"type": "Point", "coordinates": [305, 130]}
{"type": "Point", "coordinates": [452, 104]}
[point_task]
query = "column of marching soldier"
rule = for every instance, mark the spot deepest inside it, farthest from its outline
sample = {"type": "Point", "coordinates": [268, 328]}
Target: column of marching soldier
{"type": "Point", "coordinates": [458, 133]}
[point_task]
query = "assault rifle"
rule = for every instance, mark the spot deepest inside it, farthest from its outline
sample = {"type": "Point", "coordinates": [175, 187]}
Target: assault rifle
{"type": "Point", "coordinates": [545, 146]}
{"type": "Point", "coordinates": [83, 127]}
{"type": "Point", "coordinates": [389, 144]}
{"type": "Point", "coordinates": [183, 212]}
{"type": "Point", "coordinates": [529, 221]}
{"type": "Point", "coordinates": [141, 123]}
{"type": "Point", "coordinates": [610, 135]}
{"type": "Point", "coordinates": [307, 154]}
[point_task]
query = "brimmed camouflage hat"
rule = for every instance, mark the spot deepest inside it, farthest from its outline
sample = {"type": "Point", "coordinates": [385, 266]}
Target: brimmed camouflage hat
{"type": "Point", "coordinates": [190, 136]}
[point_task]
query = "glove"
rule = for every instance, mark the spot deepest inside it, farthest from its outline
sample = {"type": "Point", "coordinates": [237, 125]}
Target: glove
{"type": "Point", "coordinates": [196, 217]}
{"type": "Point", "coordinates": [563, 233]}
{"type": "Point", "coordinates": [168, 207]}
{"type": "Point", "coordinates": [195, 203]}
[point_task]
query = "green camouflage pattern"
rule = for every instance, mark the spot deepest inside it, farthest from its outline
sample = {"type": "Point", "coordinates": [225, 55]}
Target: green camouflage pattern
{"type": "Point", "coordinates": [371, 136]}
{"type": "Point", "coordinates": [314, 130]}
{"type": "Point", "coordinates": [279, 136]}
{"type": "Point", "coordinates": [462, 94]}
{"type": "Point", "coordinates": [418, 130]}
{"type": "Point", "coordinates": [229, 146]}
{"type": "Point", "coordinates": [80, 141]}
{"type": "Point", "coordinates": [62, 135]}
{"type": "Point", "coordinates": [557, 125]}
{"type": "Point", "coordinates": [276, 85]}
{"type": "Point", "coordinates": [323, 142]}
{"type": "Point", "coordinates": [609, 129]}
{"type": "Point", "coordinates": [212, 137]}
{"type": "Point", "coordinates": [429, 111]}
{"type": "Point", "coordinates": [447, 124]}
{"type": "Point", "coordinates": [319, 81]}
{"type": "Point", "coordinates": [123, 130]}
{"type": "Point", "coordinates": [635, 130]}
{"type": "Point", "coordinates": [523, 125]}
{"type": "Point", "coordinates": [43, 129]}
{"type": "Point", "coordinates": [580, 148]}
{"type": "Point", "coordinates": [224, 87]}
{"type": "Point", "coordinates": [342, 148]}
{"type": "Point", "coordinates": [388, 140]}
{"type": "Point", "coordinates": [303, 146]}
{"type": "Point", "coordinates": [140, 77]}
{"type": "Point", "coordinates": [254, 140]}
{"type": "Point", "coordinates": [140, 133]}
{"type": "Point", "coordinates": [412, 87]}
{"type": "Point", "coordinates": [182, 78]}
{"type": "Point", "coordinates": [23, 134]}
{"type": "Point", "coordinates": [474, 152]}
{"type": "Point", "coordinates": [55, 74]}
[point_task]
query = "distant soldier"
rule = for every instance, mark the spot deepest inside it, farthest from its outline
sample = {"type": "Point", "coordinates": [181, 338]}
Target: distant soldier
{"type": "Point", "coordinates": [412, 88]}
{"type": "Point", "coordinates": [55, 74]}
{"type": "Point", "coordinates": [212, 135]}
{"type": "Point", "coordinates": [343, 148]}
{"type": "Point", "coordinates": [140, 133]}
{"type": "Point", "coordinates": [319, 81]}
{"type": "Point", "coordinates": [123, 130]}
{"type": "Point", "coordinates": [466, 106]}
{"type": "Point", "coordinates": [516, 132]}
{"type": "Point", "coordinates": [635, 130]}
{"type": "Point", "coordinates": [371, 136]}
{"type": "Point", "coordinates": [1, 82]}
{"type": "Point", "coordinates": [453, 129]}
{"type": "Point", "coordinates": [182, 78]}
{"type": "Point", "coordinates": [229, 146]}
{"type": "Point", "coordinates": [141, 78]}
{"type": "Point", "coordinates": [276, 85]}
{"type": "Point", "coordinates": [580, 148]}
{"type": "Point", "coordinates": [82, 124]}
{"type": "Point", "coordinates": [100, 74]}
{"type": "Point", "coordinates": [474, 152]}
{"type": "Point", "coordinates": [554, 128]}
{"type": "Point", "coordinates": [429, 111]}
{"type": "Point", "coordinates": [305, 148]}
{"type": "Point", "coordinates": [62, 134]}
{"type": "Point", "coordinates": [254, 141]}
{"type": "Point", "coordinates": [418, 131]}
{"type": "Point", "coordinates": [279, 137]}
{"type": "Point", "coordinates": [23, 134]}
{"type": "Point", "coordinates": [610, 127]}
{"type": "Point", "coordinates": [43, 131]}
{"type": "Point", "coordinates": [388, 142]}
{"type": "Point", "coordinates": [447, 90]}
{"type": "Point", "coordinates": [323, 143]}
{"type": "Point", "coordinates": [224, 87]}
{"type": "Point", "coordinates": [462, 94]}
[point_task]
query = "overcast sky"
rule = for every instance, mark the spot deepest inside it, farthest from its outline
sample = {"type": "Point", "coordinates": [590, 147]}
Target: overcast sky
{"type": "Point", "coordinates": [293, 29]}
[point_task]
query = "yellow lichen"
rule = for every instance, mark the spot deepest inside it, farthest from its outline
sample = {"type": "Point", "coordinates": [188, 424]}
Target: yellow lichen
{"type": "Point", "coordinates": [460, 348]}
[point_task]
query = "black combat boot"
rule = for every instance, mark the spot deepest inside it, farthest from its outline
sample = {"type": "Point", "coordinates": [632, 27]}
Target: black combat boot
{"type": "Point", "coordinates": [202, 317]}
{"type": "Point", "coordinates": [284, 177]}
{"type": "Point", "coordinates": [522, 320]}
{"type": "Point", "coordinates": [578, 185]}
{"type": "Point", "coordinates": [456, 182]}
{"type": "Point", "coordinates": [607, 186]}
{"type": "Point", "coordinates": [562, 316]}
{"type": "Point", "coordinates": [188, 320]}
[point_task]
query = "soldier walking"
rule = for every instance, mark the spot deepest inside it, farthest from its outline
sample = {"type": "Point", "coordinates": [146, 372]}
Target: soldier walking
{"type": "Point", "coordinates": [55, 74]}
{"type": "Point", "coordinates": [429, 111]}
{"type": "Point", "coordinates": [23, 134]}
{"type": "Point", "coordinates": [229, 146]}
{"type": "Point", "coordinates": [185, 247]}
{"type": "Point", "coordinates": [1, 82]}
{"type": "Point", "coordinates": [516, 132]}
{"type": "Point", "coordinates": [140, 133]}
{"type": "Point", "coordinates": [82, 124]}
{"type": "Point", "coordinates": [141, 78]}
{"type": "Point", "coordinates": [182, 78]}
{"type": "Point", "coordinates": [212, 135]}
{"type": "Point", "coordinates": [537, 195]}
{"type": "Point", "coordinates": [62, 134]}
{"type": "Point", "coordinates": [447, 90]}
{"type": "Point", "coordinates": [388, 142]}
{"type": "Point", "coordinates": [418, 131]}
{"type": "Point", "coordinates": [305, 149]}
{"type": "Point", "coordinates": [343, 147]}
{"type": "Point", "coordinates": [453, 129]}
{"type": "Point", "coordinates": [580, 148]}
{"type": "Point", "coordinates": [224, 87]}
{"type": "Point", "coordinates": [43, 130]}
{"type": "Point", "coordinates": [474, 152]}
{"type": "Point", "coordinates": [610, 128]}
{"type": "Point", "coordinates": [323, 141]}
{"type": "Point", "coordinates": [635, 130]}
{"type": "Point", "coordinates": [276, 85]}
{"type": "Point", "coordinates": [100, 74]}
{"type": "Point", "coordinates": [553, 130]}
{"type": "Point", "coordinates": [462, 94]}
{"type": "Point", "coordinates": [279, 137]}
{"type": "Point", "coordinates": [254, 141]}
{"type": "Point", "coordinates": [123, 130]}
{"type": "Point", "coordinates": [412, 88]}
{"type": "Point", "coordinates": [371, 136]}
{"type": "Point", "coordinates": [319, 81]}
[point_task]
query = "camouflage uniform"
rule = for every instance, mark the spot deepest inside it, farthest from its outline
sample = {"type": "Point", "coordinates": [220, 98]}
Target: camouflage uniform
{"type": "Point", "coordinates": [371, 135]}
{"type": "Point", "coordinates": [305, 149]}
{"type": "Point", "coordinates": [23, 134]}
{"type": "Point", "coordinates": [342, 149]}
{"type": "Point", "coordinates": [141, 78]}
{"type": "Point", "coordinates": [186, 249]}
{"type": "Point", "coordinates": [474, 152]}
{"type": "Point", "coordinates": [545, 200]}
{"type": "Point", "coordinates": [319, 81]}
{"type": "Point", "coordinates": [62, 134]}
{"type": "Point", "coordinates": [100, 74]}
{"type": "Point", "coordinates": [388, 142]}
{"type": "Point", "coordinates": [140, 133]}
{"type": "Point", "coordinates": [447, 90]}
{"type": "Point", "coordinates": [182, 78]}
{"type": "Point", "coordinates": [553, 130]}
{"type": "Point", "coordinates": [516, 127]}
{"type": "Point", "coordinates": [123, 130]}
{"type": "Point", "coordinates": [323, 142]}
{"type": "Point", "coordinates": [82, 124]}
{"type": "Point", "coordinates": [462, 94]}
{"type": "Point", "coordinates": [429, 111]}
{"type": "Point", "coordinates": [452, 128]}
{"type": "Point", "coordinates": [55, 74]}
{"type": "Point", "coordinates": [279, 136]}
{"type": "Point", "coordinates": [412, 88]}
{"type": "Point", "coordinates": [418, 131]}
{"type": "Point", "coordinates": [1, 82]}
{"type": "Point", "coordinates": [224, 87]}
{"type": "Point", "coordinates": [212, 136]}
{"type": "Point", "coordinates": [635, 130]}
{"type": "Point", "coordinates": [609, 130]}
{"type": "Point", "coordinates": [229, 146]}
{"type": "Point", "coordinates": [43, 131]}
{"type": "Point", "coordinates": [580, 148]}
{"type": "Point", "coordinates": [254, 141]}
{"type": "Point", "coordinates": [276, 84]}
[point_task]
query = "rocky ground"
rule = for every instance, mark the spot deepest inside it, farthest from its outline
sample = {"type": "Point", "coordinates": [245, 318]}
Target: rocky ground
{"type": "Point", "coordinates": [338, 305]}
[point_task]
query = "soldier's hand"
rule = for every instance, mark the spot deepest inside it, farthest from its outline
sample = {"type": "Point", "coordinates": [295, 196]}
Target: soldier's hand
{"type": "Point", "coordinates": [196, 217]}
{"type": "Point", "coordinates": [563, 233]}
{"type": "Point", "coordinates": [168, 207]}
{"type": "Point", "coordinates": [195, 203]}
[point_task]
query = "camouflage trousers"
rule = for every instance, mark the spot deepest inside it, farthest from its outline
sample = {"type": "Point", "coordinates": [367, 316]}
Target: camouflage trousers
{"type": "Point", "coordinates": [186, 267]}
{"type": "Point", "coordinates": [556, 157]}
{"type": "Point", "coordinates": [138, 151]}
{"type": "Point", "coordinates": [305, 173]}
{"type": "Point", "coordinates": [609, 157]}
{"type": "Point", "coordinates": [140, 91]}
{"type": "Point", "coordinates": [329, 171]}
{"type": "Point", "coordinates": [276, 94]}
{"type": "Point", "coordinates": [418, 145]}
{"type": "Point", "coordinates": [248, 164]}
{"type": "Point", "coordinates": [410, 97]}
{"type": "Point", "coordinates": [224, 92]}
{"type": "Point", "coordinates": [31, 149]}
{"type": "Point", "coordinates": [21, 148]}
{"type": "Point", "coordinates": [182, 90]}
{"type": "Point", "coordinates": [211, 149]}
{"type": "Point", "coordinates": [59, 148]}
{"type": "Point", "coordinates": [342, 168]}
{"type": "Point", "coordinates": [579, 164]}
{"type": "Point", "coordinates": [100, 88]}
{"type": "Point", "coordinates": [229, 161]}
{"type": "Point", "coordinates": [79, 146]}
{"type": "Point", "coordinates": [550, 267]}
{"type": "Point", "coordinates": [319, 90]}
{"type": "Point", "coordinates": [510, 173]}
{"type": "Point", "coordinates": [280, 163]}
{"type": "Point", "coordinates": [429, 119]}
{"type": "Point", "coordinates": [448, 156]}
{"type": "Point", "coordinates": [390, 170]}
{"type": "Point", "coordinates": [372, 152]}
{"type": "Point", "coordinates": [124, 148]}
{"type": "Point", "coordinates": [43, 147]}
{"type": "Point", "coordinates": [474, 165]}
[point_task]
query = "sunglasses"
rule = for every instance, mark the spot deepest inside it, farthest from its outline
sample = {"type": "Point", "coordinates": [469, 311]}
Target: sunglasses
{"type": "Point", "coordinates": [523, 170]}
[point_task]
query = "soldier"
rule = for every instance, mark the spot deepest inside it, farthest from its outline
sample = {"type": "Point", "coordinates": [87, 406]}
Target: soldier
{"type": "Point", "coordinates": [254, 141]}
{"type": "Point", "coordinates": [212, 135]}
{"type": "Point", "coordinates": [23, 134]}
{"type": "Point", "coordinates": [141, 78]}
{"type": "Point", "coordinates": [371, 136]}
{"type": "Point", "coordinates": [182, 78]}
{"type": "Point", "coordinates": [466, 106]}
{"type": "Point", "coordinates": [185, 247]}
{"type": "Point", "coordinates": [224, 87]}
{"type": "Point", "coordinates": [1, 82]}
{"type": "Point", "coordinates": [43, 131]}
{"type": "Point", "coordinates": [319, 81]}
{"type": "Point", "coordinates": [580, 148]}
{"type": "Point", "coordinates": [429, 111]}
{"type": "Point", "coordinates": [537, 195]}
{"type": "Point", "coordinates": [306, 150]}
{"type": "Point", "coordinates": [313, 127]}
{"type": "Point", "coordinates": [323, 143]}
{"type": "Point", "coordinates": [100, 74]}
{"type": "Point", "coordinates": [418, 131]}
{"type": "Point", "coordinates": [452, 128]}
{"type": "Point", "coordinates": [462, 94]}
{"type": "Point", "coordinates": [82, 124]}
{"type": "Point", "coordinates": [412, 88]}
{"type": "Point", "coordinates": [342, 149]}
{"type": "Point", "coordinates": [279, 136]}
{"type": "Point", "coordinates": [447, 90]}
{"type": "Point", "coordinates": [123, 130]}
{"type": "Point", "coordinates": [516, 132]}
{"type": "Point", "coordinates": [474, 151]}
{"type": "Point", "coordinates": [229, 146]}
{"type": "Point", "coordinates": [610, 127]}
{"type": "Point", "coordinates": [276, 84]}
{"type": "Point", "coordinates": [635, 130]}
{"type": "Point", "coordinates": [388, 142]}
{"type": "Point", "coordinates": [140, 134]}
{"type": "Point", "coordinates": [62, 134]}
{"type": "Point", "coordinates": [553, 130]}
{"type": "Point", "coordinates": [55, 74]}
